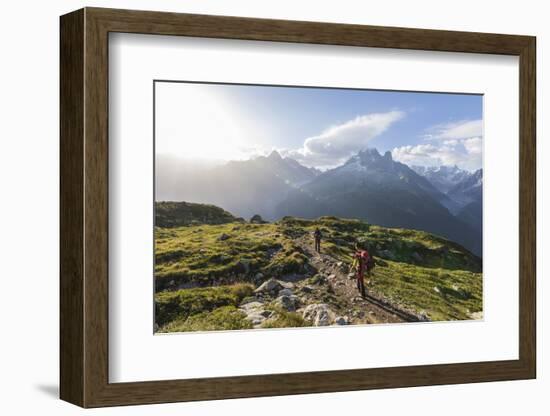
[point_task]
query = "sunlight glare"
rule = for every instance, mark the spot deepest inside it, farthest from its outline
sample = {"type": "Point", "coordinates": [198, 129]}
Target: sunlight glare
{"type": "Point", "coordinates": [195, 122]}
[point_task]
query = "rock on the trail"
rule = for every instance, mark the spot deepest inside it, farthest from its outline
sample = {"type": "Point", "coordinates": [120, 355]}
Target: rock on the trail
{"type": "Point", "coordinates": [286, 285]}
{"type": "Point", "coordinates": [250, 299]}
{"type": "Point", "coordinates": [307, 289]}
{"type": "Point", "coordinates": [351, 276]}
{"type": "Point", "coordinates": [288, 303]}
{"type": "Point", "coordinates": [271, 286]}
{"type": "Point", "coordinates": [255, 312]}
{"type": "Point", "coordinates": [319, 314]}
{"type": "Point", "coordinates": [331, 276]}
{"type": "Point", "coordinates": [341, 320]}
{"type": "Point", "coordinates": [285, 292]}
{"type": "Point", "coordinates": [250, 306]}
{"type": "Point", "coordinates": [339, 264]}
{"type": "Point", "coordinates": [256, 318]}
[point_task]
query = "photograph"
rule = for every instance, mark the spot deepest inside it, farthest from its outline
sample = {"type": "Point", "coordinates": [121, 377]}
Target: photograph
{"type": "Point", "coordinates": [283, 206]}
{"type": "Point", "coordinates": [244, 198]}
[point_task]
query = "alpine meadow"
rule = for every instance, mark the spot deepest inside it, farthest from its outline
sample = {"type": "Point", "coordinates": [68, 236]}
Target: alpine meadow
{"type": "Point", "coordinates": [285, 207]}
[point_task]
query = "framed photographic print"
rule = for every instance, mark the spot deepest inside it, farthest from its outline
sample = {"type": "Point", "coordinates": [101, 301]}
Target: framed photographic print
{"type": "Point", "coordinates": [255, 207]}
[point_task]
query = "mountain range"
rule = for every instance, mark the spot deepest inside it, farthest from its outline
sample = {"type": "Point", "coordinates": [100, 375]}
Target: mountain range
{"type": "Point", "coordinates": [369, 186]}
{"type": "Point", "coordinates": [464, 188]}
{"type": "Point", "coordinates": [442, 177]}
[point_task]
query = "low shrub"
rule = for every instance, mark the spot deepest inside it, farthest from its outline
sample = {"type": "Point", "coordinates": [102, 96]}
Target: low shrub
{"type": "Point", "coordinates": [224, 318]}
{"type": "Point", "coordinates": [180, 304]}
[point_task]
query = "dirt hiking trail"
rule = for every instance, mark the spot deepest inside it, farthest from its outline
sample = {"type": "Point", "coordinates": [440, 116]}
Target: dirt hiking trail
{"type": "Point", "coordinates": [367, 310]}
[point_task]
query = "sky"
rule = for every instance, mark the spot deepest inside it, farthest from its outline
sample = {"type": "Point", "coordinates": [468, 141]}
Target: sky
{"type": "Point", "coordinates": [319, 127]}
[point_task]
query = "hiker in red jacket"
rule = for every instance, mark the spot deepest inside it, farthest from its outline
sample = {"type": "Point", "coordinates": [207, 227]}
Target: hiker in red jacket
{"type": "Point", "coordinates": [362, 262]}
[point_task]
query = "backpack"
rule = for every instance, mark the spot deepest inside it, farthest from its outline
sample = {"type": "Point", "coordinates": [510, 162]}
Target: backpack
{"type": "Point", "coordinates": [368, 259]}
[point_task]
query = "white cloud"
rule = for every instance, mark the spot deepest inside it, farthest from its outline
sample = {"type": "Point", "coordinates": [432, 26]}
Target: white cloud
{"type": "Point", "coordinates": [465, 153]}
{"type": "Point", "coordinates": [458, 130]}
{"type": "Point", "coordinates": [473, 145]}
{"type": "Point", "coordinates": [337, 143]}
{"type": "Point", "coordinates": [457, 143]}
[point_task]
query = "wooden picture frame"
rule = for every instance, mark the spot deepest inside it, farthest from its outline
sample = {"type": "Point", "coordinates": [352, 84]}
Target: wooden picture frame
{"type": "Point", "coordinates": [84, 207]}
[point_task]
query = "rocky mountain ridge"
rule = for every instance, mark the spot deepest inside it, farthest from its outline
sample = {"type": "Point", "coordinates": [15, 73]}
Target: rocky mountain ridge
{"type": "Point", "coordinates": [367, 186]}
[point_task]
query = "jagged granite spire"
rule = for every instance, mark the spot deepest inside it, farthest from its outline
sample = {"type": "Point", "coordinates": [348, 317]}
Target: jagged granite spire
{"type": "Point", "coordinates": [275, 155]}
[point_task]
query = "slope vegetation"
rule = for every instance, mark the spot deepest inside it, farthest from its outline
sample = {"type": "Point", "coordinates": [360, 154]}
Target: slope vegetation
{"type": "Point", "coordinates": [236, 275]}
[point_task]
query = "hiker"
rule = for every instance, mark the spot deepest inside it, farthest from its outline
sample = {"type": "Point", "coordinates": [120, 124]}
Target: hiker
{"type": "Point", "coordinates": [317, 236]}
{"type": "Point", "coordinates": [362, 262]}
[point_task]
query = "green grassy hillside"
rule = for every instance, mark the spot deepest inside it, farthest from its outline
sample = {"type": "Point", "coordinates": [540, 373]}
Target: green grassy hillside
{"type": "Point", "coordinates": [204, 272]}
{"type": "Point", "coordinates": [177, 214]}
